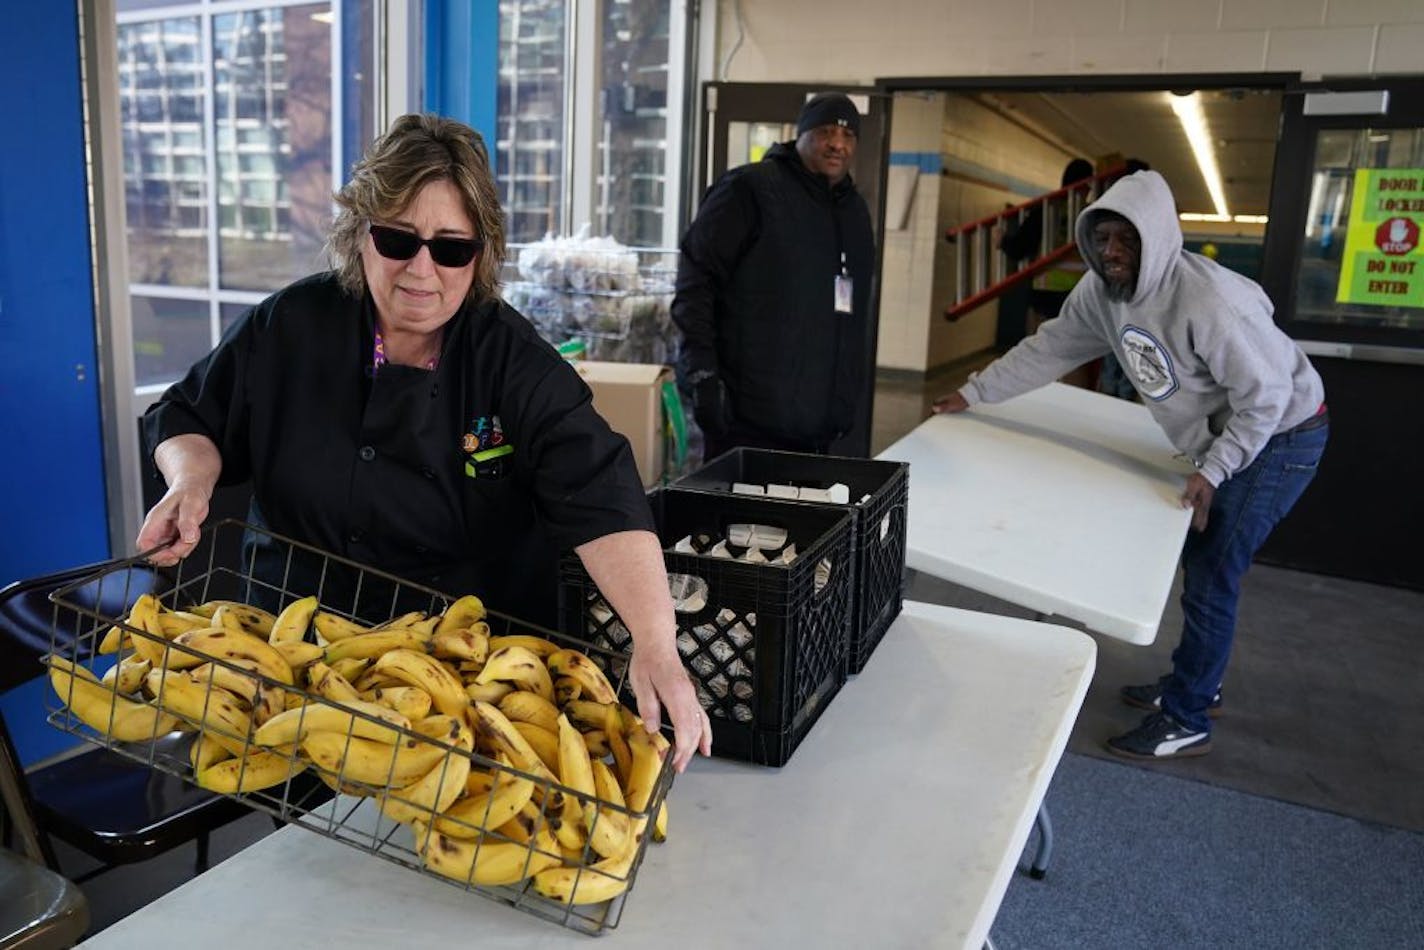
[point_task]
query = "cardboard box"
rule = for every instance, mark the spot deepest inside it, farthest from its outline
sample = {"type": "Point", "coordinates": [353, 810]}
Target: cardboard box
{"type": "Point", "coordinates": [629, 396]}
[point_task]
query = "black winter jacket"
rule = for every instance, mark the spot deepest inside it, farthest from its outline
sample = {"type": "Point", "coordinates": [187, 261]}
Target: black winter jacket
{"type": "Point", "coordinates": [756, 297]}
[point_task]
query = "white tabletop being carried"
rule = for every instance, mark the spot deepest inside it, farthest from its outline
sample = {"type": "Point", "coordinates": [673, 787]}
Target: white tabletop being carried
{"type": "Point", "coordinates": [898, 822]}
{"type": "Point", "coordinates": [1062, 500]}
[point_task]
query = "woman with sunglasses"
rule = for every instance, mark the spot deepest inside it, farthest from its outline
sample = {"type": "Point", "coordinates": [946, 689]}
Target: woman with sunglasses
{"type": "Point", "coordinates": [396, 412]}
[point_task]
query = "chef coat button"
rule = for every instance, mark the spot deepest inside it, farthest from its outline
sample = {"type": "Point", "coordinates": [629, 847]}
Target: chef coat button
{"type": "Point", "coordinates": [421, 549]}
{"type": "Point", "coordinates": [367, 453]}
{"type": "Point", "coordinates": [357, 536]}
{"type": "Point", "coordinates": [428, 472]}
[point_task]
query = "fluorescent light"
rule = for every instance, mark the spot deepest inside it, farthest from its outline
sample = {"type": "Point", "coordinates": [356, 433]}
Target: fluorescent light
{"type": "Point", "coordinates": [1223, 218]}
{"type": "Point", "coordinates": [1189, 113]}
{"type": "Point", "coordinates": [324, 16]}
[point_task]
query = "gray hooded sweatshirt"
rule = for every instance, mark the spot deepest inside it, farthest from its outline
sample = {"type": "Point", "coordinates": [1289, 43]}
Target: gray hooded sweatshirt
{"type": "Point", "coordinates": [1196, 339]}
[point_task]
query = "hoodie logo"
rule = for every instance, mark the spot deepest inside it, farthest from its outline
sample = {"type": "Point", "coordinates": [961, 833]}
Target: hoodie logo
{"type": "Point", "coordinates": [1148, 363]}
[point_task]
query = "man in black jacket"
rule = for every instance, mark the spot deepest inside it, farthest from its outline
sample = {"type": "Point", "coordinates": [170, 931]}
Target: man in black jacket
{"type": "Point", "coordinates": [773, 292]}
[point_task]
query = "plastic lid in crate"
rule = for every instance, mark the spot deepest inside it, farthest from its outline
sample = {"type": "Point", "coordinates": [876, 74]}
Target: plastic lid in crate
{"type": "Point", "coordinates": [864, 477]}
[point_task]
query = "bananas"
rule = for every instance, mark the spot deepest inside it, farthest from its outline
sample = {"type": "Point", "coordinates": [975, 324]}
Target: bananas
{"type": "Point", "coordinates": [102, 709]}
{"type": "Point", "coordinates": [510, 757]}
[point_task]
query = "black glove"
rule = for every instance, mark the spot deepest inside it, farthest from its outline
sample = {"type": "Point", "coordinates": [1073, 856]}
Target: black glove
{"type": "Point", "coordinates": [710, 406]}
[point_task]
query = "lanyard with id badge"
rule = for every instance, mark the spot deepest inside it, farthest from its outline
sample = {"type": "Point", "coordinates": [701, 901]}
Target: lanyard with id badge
{"type": "Point", "coordinates": [844, 288]}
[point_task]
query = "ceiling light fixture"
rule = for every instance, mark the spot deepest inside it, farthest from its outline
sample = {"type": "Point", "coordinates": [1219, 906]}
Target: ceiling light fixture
{"type": "Point", "coordinates": [1189, 112]}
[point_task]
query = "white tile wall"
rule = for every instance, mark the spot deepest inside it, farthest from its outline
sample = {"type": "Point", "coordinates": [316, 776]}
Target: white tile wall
{"type": "Point", "coordinates": [1216, 52]}
{"type": "Point", "coordinates": [1117, 53]}
{"type": "Point", "coordinates": [1266, 14]}
{"type": "Point", "coordinates": [1400, 49]}
{"type": "Point", "coordinates": [1063, 17]}
{"type": "Point", "coordinates": [1370, 12]}
{"type": "Point", "coordinates": [1322, 52]}
{"type": "Point", "coordinates": [1170, 16]}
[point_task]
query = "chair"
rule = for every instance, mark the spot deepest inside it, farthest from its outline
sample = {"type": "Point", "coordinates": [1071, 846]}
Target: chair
{"type": "Point", "coordinates": [38, 908]}
{"type": "Point", "coordinates": [114, 809]}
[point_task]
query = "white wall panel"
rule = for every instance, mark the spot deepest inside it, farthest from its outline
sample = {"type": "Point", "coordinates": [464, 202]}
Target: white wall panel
{"type": "Point", "coordinates": [1369, 12]}
{"type": "Point", "coordinates": [1266, 14]}
{"type": "Point", "coordinates": [1216, 52]}
{"type": "Point", "coordinates": [1118, 54]}
{"type": "Point", "coordinates": [1171, 16]}
{"type": "Point", "coordinates": [1324, 52]}
{"type": "Point", "coordinates": [1400, 49]}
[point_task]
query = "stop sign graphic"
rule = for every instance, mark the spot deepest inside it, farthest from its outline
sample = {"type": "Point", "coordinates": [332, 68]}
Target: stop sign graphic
{"type": "Point", "coordinates": [1397, 236]}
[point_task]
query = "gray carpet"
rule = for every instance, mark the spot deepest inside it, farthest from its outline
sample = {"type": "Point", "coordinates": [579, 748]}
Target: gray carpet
{"type": "Point", "coordinates": [1323, 704]}
{"type": "Point", "coordinates": [1142, 859]}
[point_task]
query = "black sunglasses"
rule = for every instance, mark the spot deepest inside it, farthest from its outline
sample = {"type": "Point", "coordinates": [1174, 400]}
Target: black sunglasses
{"type": "Point", "coordinates": [401, 245]}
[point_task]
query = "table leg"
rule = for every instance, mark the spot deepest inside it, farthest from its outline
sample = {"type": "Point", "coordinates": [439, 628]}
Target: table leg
{"type": "Point", "coordinates": [1045, 845]}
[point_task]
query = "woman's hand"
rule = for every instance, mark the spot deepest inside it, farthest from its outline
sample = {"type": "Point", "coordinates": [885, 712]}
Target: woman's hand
{"type": "Point", "coordinates": [660, 681]}
{"type": "Point", "coordinates": [190, 464]}
{"type": "Point", "coordinates": [950, 402]}
{"type": "Point", "coordinates": [176, 518]}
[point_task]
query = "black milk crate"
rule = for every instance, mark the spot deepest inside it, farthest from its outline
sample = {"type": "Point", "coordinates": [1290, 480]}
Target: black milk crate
{"type": "Point", "coordinates": [879, 522]}
{"type": "Point", "coordinates": [766, 644]}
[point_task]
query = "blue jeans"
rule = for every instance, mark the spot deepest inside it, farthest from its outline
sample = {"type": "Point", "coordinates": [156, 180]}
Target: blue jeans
{"type": "Point", "coordinates": [1244, 511]}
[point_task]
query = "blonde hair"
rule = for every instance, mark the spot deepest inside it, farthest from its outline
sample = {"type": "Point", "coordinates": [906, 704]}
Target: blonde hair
{"type": "Point", "coordinates": [417, 150]}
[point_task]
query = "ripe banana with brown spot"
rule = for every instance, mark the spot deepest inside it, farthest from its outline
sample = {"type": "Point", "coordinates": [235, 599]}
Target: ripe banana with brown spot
{"type": "Point", "coordinates": [205, 752]}
{"type": "Point", "coordinates": [263, 701]}
{"type": "Point", "coordinates": [370, 645]}
{"type": "Point", "coordinates": [293, 725]}
{"type": "Point", "coordinates": [435, 791]}
{"type": "Point", "coordinates": [462, 614]}
{"type": "Point", "coordinates": [617, 741]}
{"type": "Point", "coordinates": [567, 690]}
{"type": "Point", "coordinates": [524, 706]}
{"type": "Point", "coordinates": [494, 732]}
{"type": "Point", "coordinates": [252, 772]}
{"type": "Point", "coordinates": [143, 615]}
{"type": "Point", "coordinates": [523, 826]}
{"type": "Point", "coordinates": [211, 708]}
{"type": "Point", "coordinates": [404, 621]}
{"type": "Point", "coordinates": [468, 646]}
{"type": "Point", "coordinates": [173, 622]}
{"type": "Point", "coordinates": [520, 666]}
{"type": "Point", "coordinates": [410, 701]}
{"type": "Point", "coordinates": [423, 670]}
{"type": "Point", "coordinates": [351, 668]}
{"type": "Point", "coordinates": [299, 655]}
{"type": "Point", "coordinates": [544, 743]}
{"type": "Point", "coordinates": [244, 618]}
{"type": "Point", "coordinates": [292, 623]}
{"type": "Point", "coordinates": [608, 828]}
{"type": "Point", "coordinates": [228, 645]}
{"type": "Point", "coordinates": [486, 861]}
{"type": "Point", "coordinates": [491, 807]}
{"type": "Point", "coordinates": [103, 710]}
{"type": "Point", "coordinates": [492, 693]}
{"type": "Point", "coordinates": [539, 646]}
{"type": "Point", "coordinates": [326, 682]}
{"type": "Point", "coordinates": [596, 740]}
{"type": "Point", "coordinates": [376, 763]}
{"type": "Point", "coordinates": [334, 628]}
{"type": "Point", "coordinates": [126, 676]}
{"type": "Point", "coordinates": [580, 667]}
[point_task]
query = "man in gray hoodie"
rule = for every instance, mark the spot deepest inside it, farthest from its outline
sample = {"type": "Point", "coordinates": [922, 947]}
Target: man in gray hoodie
{"type": "Point", "coordinates": [1230, 390]}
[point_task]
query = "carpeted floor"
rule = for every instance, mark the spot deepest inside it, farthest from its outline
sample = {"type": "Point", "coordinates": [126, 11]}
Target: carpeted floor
{"type": "Point", "coordinates": [1323, 703]}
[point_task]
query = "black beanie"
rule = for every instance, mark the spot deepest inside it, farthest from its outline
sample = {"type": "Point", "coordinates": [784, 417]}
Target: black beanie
{"type": "Point", "coordinates": [828, 108]}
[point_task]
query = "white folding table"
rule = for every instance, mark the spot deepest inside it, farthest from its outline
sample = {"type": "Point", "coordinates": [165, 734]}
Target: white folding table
{"type": "Point", "coordinates": [897, 822]}
{"type": "Point", "coordinates": [1061, 500]}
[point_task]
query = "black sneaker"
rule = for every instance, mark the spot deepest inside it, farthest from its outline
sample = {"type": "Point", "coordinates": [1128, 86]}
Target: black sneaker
{"type": "Point", "coordinates": [1150, 696]}
{"type": "Point", "coordinates": [1159, 736]}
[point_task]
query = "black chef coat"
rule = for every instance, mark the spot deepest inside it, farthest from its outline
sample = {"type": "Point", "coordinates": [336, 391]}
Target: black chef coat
{"type": "Point", "coordinates": [469, 478]}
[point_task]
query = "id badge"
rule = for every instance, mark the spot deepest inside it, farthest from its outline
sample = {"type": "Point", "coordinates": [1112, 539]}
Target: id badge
{"type": "Point", "coordinates": [843, 293]}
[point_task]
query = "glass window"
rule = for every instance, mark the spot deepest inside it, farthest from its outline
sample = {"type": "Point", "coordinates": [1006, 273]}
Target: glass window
{"type": "Point", "coordinates": [168, 337]}
{"type": "Point", "coordinates": [529, 147]}
{"type": "Point", "coordinates": [249, 188]}
{"type": "Point", "coordinates": [1321, 296]}
{"type": "Point", "coordinates": [164, 247]}
{"type": "Point", "coordinates": [259, 55]}
{"type": "Point", "coordinates": [633, 133]}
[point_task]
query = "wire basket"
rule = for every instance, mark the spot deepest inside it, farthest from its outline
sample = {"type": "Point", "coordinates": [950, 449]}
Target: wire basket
{"type": "Point", "coordinates": [449, 792]}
